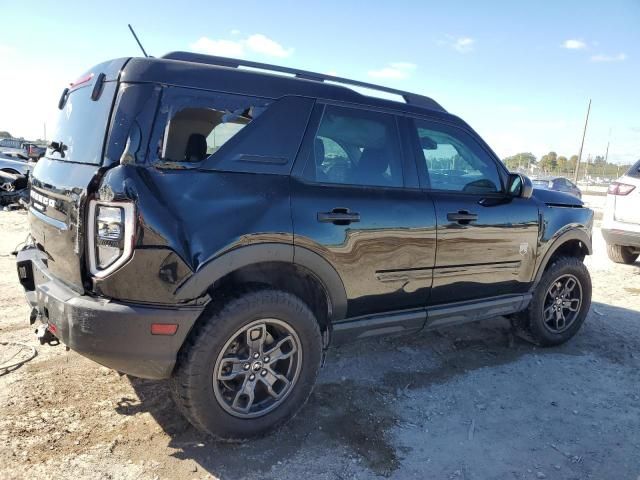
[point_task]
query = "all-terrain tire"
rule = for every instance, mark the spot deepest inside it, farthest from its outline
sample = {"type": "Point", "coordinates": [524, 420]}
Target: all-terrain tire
{"type": "Point", "coordinates": [192, 383]}
{"type": "Point", "coordinates": [621, 254]}
{"type": "Point", "coordinates": [530, 324]}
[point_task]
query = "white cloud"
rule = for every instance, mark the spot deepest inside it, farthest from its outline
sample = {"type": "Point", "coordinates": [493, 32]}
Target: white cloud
{"type": "Point", "coordinates": [459, 44]}
{"type": "Point", "coordinates": [620, 57]}
{"type": "Point", "coordinates": [235, 31]}
{"type": "Point", "coordinates": [573, 44]}
{"type": "Point", "coordinates": [262, 44]}
{"type": "Point", "coordinates": [464, 44]}
{"type": "Point", "coordinates": [224, 48]}
{"type": "Point", "coordinates": [256, 43]}
{"type": "Point", "coordinates": [395, 70]}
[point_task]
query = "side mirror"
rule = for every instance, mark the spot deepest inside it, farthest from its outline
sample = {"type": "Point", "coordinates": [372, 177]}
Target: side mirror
{"type": "Point", "coordinates": [519, 185]}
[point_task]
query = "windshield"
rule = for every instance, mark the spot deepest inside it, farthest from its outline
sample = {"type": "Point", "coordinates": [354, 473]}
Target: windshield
{"type": "Point", "coordinates": [81, 126]}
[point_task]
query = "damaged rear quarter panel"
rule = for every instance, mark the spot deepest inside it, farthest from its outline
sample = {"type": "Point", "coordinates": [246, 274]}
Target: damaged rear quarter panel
{"type": "Point", "coordinates": [187, 217]}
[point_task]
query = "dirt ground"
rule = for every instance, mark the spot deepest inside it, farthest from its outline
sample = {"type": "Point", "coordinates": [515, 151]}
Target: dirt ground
{"type": "Point", "coordinates": [469, 402]}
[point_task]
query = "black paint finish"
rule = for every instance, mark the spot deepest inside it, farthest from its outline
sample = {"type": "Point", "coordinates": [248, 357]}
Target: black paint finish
{"type": "Point", "coordinates": [386, 259]}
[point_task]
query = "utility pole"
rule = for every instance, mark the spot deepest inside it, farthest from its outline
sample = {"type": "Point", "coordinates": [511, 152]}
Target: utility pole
{"type": "Point", "coordinates": [606, 155]}
{"type": "Point", "coordinates": [584, 133]}
{"type": "Point", "coordinates": [45, 131]}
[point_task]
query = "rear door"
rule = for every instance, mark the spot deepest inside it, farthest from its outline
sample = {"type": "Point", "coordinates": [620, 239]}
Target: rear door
{"type": "Point", "coordinates": [61, 179]}
{"type": "Point", "coordinates": [356, 202]}
{"type": "Point", "coordinates": [486, 240]}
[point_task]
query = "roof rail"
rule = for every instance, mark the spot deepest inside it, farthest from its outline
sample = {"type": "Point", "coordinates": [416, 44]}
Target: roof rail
{"type": "Point", "coordinates": [409, 98]}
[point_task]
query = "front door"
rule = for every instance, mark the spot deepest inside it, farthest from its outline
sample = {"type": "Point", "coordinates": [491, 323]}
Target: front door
{"type": "Point", "coordinates": [357, 203]}
{"type": "Point", "coordinates": [486, 239]}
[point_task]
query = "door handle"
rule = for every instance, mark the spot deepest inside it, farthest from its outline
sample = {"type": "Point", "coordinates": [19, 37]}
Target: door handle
{"type": "Point", "coordinates": [339, 216]}
{"type": "Point", "coordinates": [462, 217]}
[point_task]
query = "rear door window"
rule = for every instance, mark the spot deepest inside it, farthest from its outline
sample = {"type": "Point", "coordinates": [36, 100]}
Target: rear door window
{"type": "Point", "coordinates": [356, 147]}
{"type": "Point", "coordinates": [82, 125]}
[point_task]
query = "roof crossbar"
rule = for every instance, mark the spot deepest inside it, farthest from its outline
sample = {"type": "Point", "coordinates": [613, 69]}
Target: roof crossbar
{"type": "Point", "coordinates": [409, 98]}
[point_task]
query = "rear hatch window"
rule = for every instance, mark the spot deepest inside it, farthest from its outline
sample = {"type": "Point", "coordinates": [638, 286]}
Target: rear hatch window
{"type": "Point", "coordinates": [61, 179]}
{"type": "Point", "coordinates": [82, 123]}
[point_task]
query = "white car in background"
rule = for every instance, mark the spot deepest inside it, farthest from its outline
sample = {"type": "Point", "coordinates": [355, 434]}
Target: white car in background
{"type": "Point", "coordinates": [621, 221]}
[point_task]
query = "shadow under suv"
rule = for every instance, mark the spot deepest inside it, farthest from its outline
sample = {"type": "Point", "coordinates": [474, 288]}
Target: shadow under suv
{"type": "Point", "coordinates": [221, 226]}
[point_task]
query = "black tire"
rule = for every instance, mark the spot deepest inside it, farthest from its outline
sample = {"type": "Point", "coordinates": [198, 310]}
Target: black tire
{"type": "Point", "coordinates": [531, 324]}
{"type": "Point", "coordinates": [621, 254]}
{"type": "Point", "coordinates": [198, 396]}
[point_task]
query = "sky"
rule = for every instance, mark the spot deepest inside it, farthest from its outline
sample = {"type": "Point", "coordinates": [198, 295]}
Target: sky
{"type": "Point", "coordinates": [520, 73]}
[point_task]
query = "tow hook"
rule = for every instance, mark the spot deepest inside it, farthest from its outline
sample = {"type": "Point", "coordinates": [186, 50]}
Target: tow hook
{"type": "Point", "coordinates": [45, 336]}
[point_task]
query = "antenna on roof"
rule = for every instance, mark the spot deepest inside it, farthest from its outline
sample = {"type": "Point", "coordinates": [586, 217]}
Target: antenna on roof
{"type": "Point", "coordinates": [136, 37]}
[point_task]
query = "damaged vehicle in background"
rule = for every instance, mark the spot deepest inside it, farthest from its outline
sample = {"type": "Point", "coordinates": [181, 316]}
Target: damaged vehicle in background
{"type": "Point", "coordinates": [15, 169]}
{"type": "Point", "coordinates": [199, 219]}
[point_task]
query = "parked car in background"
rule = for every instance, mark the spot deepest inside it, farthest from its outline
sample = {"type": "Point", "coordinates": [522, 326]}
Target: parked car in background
{"type": "Point", "coordinates": [12, 145]}
{"type": "Point", "coordinates": [558, 184]}
{"type": "Point", "coordinates": [34, 151]}
{"type": "Point", "coordinates": [15, 169]}
{"type": "Point", "coordinates": [621, 221]}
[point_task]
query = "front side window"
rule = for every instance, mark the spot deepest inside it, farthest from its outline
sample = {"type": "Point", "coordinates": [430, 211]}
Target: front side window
{"type": "Point", "coordinates": [356, 147]}
{"type": "Point", "coordinates": [454, 161]}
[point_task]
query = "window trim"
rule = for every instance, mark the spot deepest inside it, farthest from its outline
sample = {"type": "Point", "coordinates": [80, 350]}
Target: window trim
{"type": "Point", "coordinates": [423, 171]}
{"type": "Point", "coordinates": [306, 151]}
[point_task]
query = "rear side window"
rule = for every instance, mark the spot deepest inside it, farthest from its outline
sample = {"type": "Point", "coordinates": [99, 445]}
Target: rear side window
{"type": "Point", "coordinates": [195, 132]}
{"type": "Point", "coordinates": [228, 132]}
{"type": "Point", "coordinates": [634, 171]}
{"type": "Point", "coordinates": [356, 147]}
{"type": "Point", "coordinates": [82, 125]}
{"type": "Point", "coordinates": [454, 161]}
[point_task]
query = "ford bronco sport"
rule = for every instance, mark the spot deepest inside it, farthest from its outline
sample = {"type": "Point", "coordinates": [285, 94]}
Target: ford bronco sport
{"type": "Point", "coordinates": [220, 226]}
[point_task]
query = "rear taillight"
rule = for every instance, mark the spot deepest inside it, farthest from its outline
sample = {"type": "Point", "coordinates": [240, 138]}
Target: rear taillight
{"type": "Point", "coordinates": [110, 236]}
{"type": "Point", "coordinates": [617, 188]}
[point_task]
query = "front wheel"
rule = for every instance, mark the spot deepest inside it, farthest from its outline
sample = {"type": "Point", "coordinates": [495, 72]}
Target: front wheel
{"type": "Point", "coordinates": [559, 305]}
{"type": "Point", "coordinates": [249, 367]}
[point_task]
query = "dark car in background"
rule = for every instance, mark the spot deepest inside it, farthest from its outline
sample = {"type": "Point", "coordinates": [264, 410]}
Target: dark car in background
{"type": "Point", "coordinates": [558, 184]}
{"type": "Point", "coordinates": [34, 151]}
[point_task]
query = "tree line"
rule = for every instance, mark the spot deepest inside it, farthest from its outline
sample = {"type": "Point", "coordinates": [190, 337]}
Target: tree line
{"type": "Point", "coordinates": [552, 163]}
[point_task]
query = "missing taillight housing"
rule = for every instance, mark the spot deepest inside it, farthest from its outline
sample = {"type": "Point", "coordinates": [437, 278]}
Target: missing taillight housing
{"type": "Point", "coordinates": [110, 236]}
{"type": "Point", "coordinates": [617, 188]}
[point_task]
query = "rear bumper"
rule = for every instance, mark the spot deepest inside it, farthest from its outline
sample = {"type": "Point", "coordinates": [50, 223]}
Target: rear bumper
{"type": "Point", "coordinates": [625, 238]}
{"type": "Point", "coordinates": [116, 335]}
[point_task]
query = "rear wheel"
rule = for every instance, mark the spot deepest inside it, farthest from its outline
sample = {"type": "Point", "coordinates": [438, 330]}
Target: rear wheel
{"type": "Point", "coordinates": [250, 367]}
{"type": "Point", "coordinates": [559, 305]}
{"type": "Point", "coordinates": [621, 254]}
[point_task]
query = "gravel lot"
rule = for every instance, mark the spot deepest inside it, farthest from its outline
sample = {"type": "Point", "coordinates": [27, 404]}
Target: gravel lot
{"type": "Point", "coordinates": [469, 402]}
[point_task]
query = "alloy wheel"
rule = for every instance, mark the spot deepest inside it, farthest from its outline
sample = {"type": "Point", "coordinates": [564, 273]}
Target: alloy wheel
{"type": "Point", "coordinates": [257, 368]}
{"type": "Point", "coordinates": [562, 303]}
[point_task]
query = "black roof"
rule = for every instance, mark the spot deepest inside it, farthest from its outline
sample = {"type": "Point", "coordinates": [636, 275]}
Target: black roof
{"type": "Point", "coordinates": [223, 74]}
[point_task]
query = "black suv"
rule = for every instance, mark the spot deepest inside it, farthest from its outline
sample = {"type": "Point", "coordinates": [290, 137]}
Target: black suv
{"type": "Point", "coordinates": [220, 226]}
